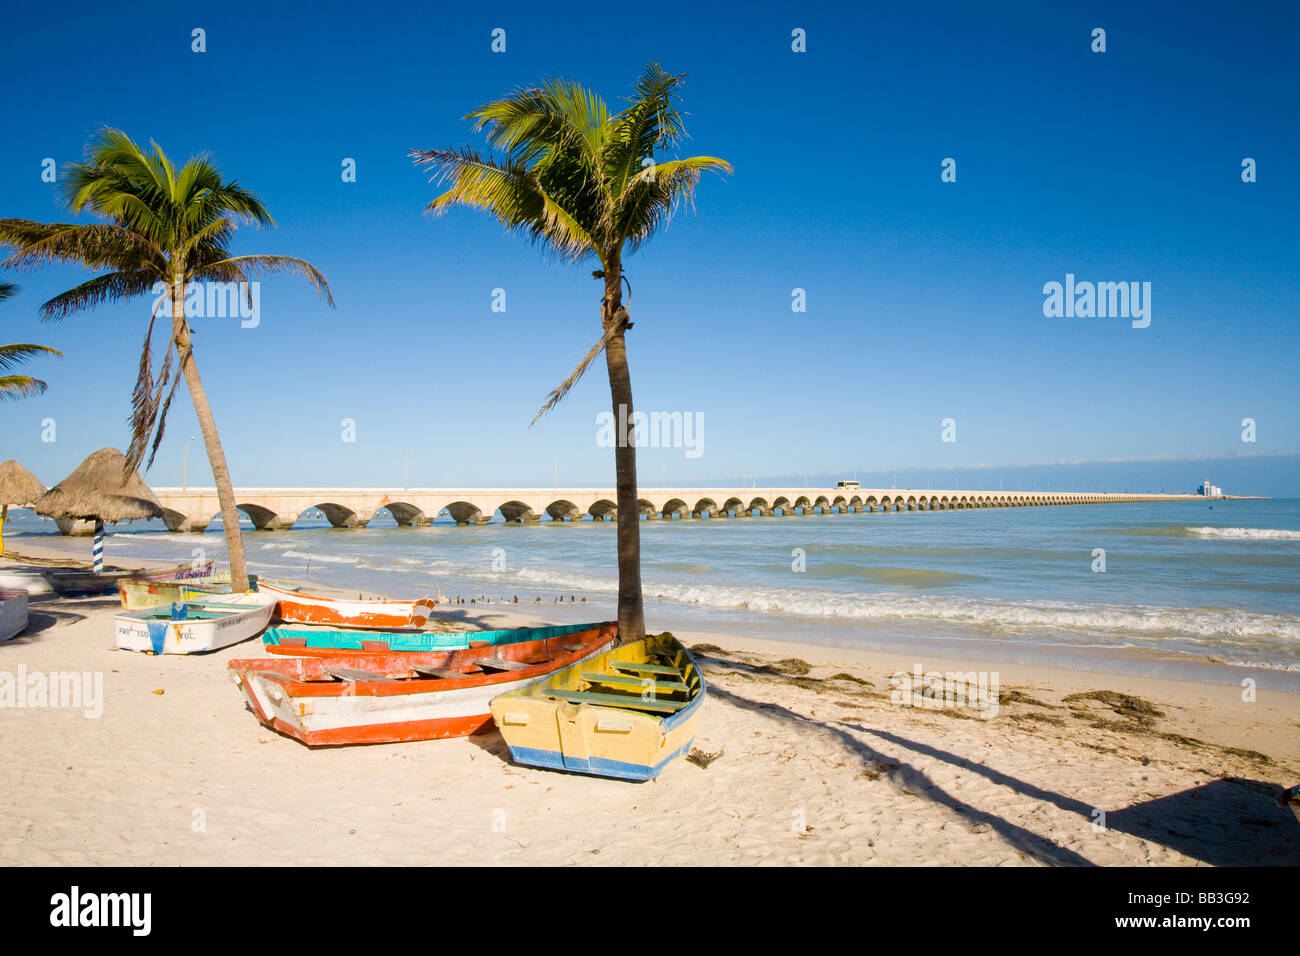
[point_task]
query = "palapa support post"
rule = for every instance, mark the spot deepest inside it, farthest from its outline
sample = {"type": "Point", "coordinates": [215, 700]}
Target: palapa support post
{"type": "Point", "coordinates": [97, 549]}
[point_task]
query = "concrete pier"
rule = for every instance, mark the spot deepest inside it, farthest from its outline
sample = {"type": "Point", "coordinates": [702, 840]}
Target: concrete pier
{"type": "Point", "coordinates": [193, 509]}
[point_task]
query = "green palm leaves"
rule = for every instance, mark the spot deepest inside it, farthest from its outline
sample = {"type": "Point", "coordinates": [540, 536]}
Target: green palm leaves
{"type": "Point", "coordinates": [569, 175]}
{"type": "Point", "coordinates": [160, 224]}
{"type": "Point", "coordinates": [12, 356]}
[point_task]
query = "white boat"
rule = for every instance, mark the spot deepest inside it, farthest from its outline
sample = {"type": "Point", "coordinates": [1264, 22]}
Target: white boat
{"type": "Point", "coordinates": [30, 580]}
{"type": "Point", "coordinates": [205, 624]}
{"type": "Point", "coordinates": [296, 607]}
{"type": "Point", "coordinates": [387, 698]}
{"type": "Point", "coordinates": [13, 613]}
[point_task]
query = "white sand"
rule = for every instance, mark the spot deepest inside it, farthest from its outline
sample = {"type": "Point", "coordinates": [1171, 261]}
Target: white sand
{"type": "Point", "coordinates": [811, 772]}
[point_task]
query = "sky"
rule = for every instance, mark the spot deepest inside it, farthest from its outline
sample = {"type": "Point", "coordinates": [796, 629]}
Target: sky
{"type": "Point", "coordinates": [924, 298]}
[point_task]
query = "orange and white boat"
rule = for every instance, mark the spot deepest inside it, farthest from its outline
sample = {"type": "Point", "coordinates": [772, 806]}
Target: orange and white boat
{"type": "Point", "coordinates": [299, 608]}
{"type": "Point", "coordinates": [387, 698]}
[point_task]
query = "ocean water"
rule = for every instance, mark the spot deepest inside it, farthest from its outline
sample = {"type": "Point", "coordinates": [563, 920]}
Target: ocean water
{"type": "Point", "coordinates": [1196, 589]}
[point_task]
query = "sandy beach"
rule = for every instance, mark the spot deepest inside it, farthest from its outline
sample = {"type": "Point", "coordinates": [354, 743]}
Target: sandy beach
{"type": "Point", "coordinates": [815, 764]}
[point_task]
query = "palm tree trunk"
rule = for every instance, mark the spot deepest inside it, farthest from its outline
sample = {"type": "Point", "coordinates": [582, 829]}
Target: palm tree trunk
{"type": "Point", "coordinates": [211, 441]}
{"type": "Point", "coordinates": [631, 613]}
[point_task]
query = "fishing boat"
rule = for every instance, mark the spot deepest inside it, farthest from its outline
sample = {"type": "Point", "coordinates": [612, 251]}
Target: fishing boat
{"type": "Point", "coordinates": [318, 642]}
{"type": "Point", "coordinates": [204, 624]}
{"type": "Point", "coordinates": [389, 698]}
{"type": "Point", "coordinates": [27, 579]}
{"type": "Point", "coordinates": [626, 713]}
{"type": "Point", "coordinates": [73, 582]}
{"type": "Point", "coordinates": [138, 593]}
{"type": "Point", "coordinates": [13, 613]}
{"type": "Point", "coordinates": [296, 607]}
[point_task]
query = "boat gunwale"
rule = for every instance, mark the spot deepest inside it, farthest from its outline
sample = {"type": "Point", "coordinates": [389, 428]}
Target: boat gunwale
{"type": "Point", "coordinates": [295, 687]}
{"type": "Point", "coordinates": [303, 597]}
{"type": "Point", "coordinates": [363, 636]}
{"type": "Point", "coordinates": [666, 722]}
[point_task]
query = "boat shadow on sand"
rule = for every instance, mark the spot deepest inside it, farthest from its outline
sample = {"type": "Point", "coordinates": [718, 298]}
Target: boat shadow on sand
{"type": "Point", "coordinates": [1227, 822]}
{"type": "Point", "coordinates": [48, 612]}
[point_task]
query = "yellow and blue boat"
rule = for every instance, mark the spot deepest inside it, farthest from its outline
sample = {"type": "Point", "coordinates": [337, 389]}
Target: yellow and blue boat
{"type": "Point", "coordinates": [626, 713]}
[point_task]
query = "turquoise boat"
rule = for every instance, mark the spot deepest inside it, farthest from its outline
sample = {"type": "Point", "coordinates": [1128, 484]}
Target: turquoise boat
{"type": "Point", "coordinates": [317, 641]}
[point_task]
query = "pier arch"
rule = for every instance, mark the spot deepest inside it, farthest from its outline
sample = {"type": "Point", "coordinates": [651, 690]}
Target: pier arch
{"type": "Point", "coordinates": [603, 510]}
{"type": "Point", "coordinates": [263, 519]}
{"type": "Point", "coordinates": [404, 514]}
{"type": "Point", "coordinates": [563, 510]}
{"type": "Point", "coordinates": [516, 512]}
{"type": "Point", "coordinates": [464, 513]}
{"type": "Point", "coordinates": [676, 506]}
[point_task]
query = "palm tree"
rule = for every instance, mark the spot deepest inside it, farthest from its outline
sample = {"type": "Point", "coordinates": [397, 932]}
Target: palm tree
{"type": "Point", "coordinates": [163, 228]}
{"type": "Point", "coordinates": [11, 356]}
{"type": "Point", "coordinates": [582, 183]}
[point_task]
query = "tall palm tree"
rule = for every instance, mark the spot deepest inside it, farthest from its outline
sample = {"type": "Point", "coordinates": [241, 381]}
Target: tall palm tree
{"type": "Point", "coordinates": [11, 356]}
{"type": "Point", "coordinates": [583, 183]}
{"type": "Point", "coordinates": [163, 228]}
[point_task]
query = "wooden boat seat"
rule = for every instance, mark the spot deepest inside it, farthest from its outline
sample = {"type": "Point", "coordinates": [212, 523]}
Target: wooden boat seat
{"type": "Point", "coordinates": [648, 668]}
{"type": "Point", "coordinates": [619, 700]}
{"type": "Point", "coordinates": [639, 684]}
{"type": "Point", "coordinates": [352, 674]}
{"type": "Point", "coordinates": [500, 664]}
{"type": "Point", "coordinates": [441, 673]}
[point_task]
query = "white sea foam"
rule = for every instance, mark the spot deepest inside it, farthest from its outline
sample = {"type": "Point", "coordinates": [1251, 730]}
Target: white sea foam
{"type": "Point", "coordinates": [1247, 533]}
{"type": "Point", "coordinates": [1209, 625]}
{"type": "Point", "coordinates": [325, 558]}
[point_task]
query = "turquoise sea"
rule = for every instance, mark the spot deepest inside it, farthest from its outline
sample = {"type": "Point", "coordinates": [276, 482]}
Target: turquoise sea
{"type": "Point", "coordinates": [1191, 589]}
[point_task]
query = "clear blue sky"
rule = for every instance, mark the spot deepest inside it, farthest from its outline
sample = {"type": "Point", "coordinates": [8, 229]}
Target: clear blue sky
{"type": "Point", "coordinates": [924, 298]}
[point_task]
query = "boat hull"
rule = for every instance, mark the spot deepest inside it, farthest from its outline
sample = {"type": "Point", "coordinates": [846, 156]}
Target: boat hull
{"type": "Point", "coordinates": [589, 738]}
{"type": "Point", "coordinates": [13, 613]}
{"type": "Point", "coordinates": [149, 632]}
{"type": "Point", "coordinates": [309, 642]}
{"type": "Point", "coordinates": [298, 608]}
{"type": "Point", "coordinates": [295, 697]}
{"type": "Point", "coordinates": [76, 582]}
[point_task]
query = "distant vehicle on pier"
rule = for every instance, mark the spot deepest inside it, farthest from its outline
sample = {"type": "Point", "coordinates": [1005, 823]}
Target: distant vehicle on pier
{"type": "Point", "coordinates": [848, 484]}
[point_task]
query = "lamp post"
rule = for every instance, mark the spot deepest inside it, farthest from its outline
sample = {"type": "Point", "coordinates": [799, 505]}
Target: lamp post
{"type": "Point", "coordinates": [406, 469]}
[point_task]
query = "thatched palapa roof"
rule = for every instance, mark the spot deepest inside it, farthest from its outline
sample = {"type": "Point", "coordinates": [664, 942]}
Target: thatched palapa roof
{"type": "Point", "coordinates": [96, 491]}
{"type": "Point", "coordinates": [18, 486]}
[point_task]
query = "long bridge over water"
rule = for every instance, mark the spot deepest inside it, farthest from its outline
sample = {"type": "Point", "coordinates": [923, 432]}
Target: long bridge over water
{"type": "Point", "coordinates": [269, 509]}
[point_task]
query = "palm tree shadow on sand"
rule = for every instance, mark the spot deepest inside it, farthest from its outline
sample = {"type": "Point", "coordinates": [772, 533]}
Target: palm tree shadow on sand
{"type": "Point", "coordinates": [1227, 822]}
{"type": "Point", "coordinates": [916, 782]}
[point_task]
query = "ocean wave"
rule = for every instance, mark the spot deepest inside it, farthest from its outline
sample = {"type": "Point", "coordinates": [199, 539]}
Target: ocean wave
{"type": "Point", "coordinates": [1195, 624]}
{"type": "Point", "coordinates": [325, 558]}
{"type": "Point", "coordinates": [1281, 534]}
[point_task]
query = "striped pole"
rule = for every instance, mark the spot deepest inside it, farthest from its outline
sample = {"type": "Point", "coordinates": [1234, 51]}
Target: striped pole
{"type": "Point", "coordinates": [97, 551]}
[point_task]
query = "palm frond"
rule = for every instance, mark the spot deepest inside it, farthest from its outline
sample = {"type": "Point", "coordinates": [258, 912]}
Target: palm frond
{"type": "Point", "coordinates": [13, 387]}
{"type": "Point", "coordinates": [11, 356]}
{"type": "Point", "coordinates": [651, 200]}
{"type": "Point", "coordinates": [7, 290]}
{"type": "Point", "coordinates": [534, 122]}
{"type": "Point", "coordinates": [110, 287]}
{"type": "Point", "coordinates": [272, 265]}
{"type": "Point", "coordinates": [651, 123]}
{"type": "Point", "coordinates": [557, 394]}
{"type": "Point", "coordinates": [95, 246]}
